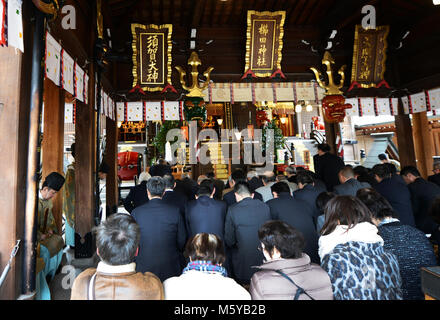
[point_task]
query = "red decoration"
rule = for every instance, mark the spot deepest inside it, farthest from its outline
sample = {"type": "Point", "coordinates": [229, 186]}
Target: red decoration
{"type": "Point", "coordinates": [137, 88]}
{"type": "Point", "coordinates": [354, 84]}
{"type": "Point", "coordinates": [319, 125]}
{"type": "Point", "coordinates": [261, 118]}
{"type": "Point", "coordinates": [127, 165]}
{"type": "Point", "coordinates": [334, 108]}
{"type": "Point", "coordinates": [249, 74]}
{"type": "Point", "coordinates": [169, 87]}
{"type": "Point", "coordinates": [383, 83]}
{"type": "Point", "coordinates": [278, 73]}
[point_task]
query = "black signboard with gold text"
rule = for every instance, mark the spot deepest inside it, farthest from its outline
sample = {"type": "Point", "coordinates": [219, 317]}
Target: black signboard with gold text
{"type": "Point", "coordinates": [152, 56]}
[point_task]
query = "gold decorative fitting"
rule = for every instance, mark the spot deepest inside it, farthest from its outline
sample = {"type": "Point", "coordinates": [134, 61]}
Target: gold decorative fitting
{"type": "Point", "coordinates": [196, 90]}
{"type": "Point", "coordinates": [48, 8]}
{"type": "Point", "coordinates": [331, 88]}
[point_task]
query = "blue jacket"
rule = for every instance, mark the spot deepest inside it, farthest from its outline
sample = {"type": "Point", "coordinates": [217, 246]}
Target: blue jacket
{"type": "Point", "coordinates": [309, 194]}
{"type": "Point", "coordinates": [363, 271]}
{"type": "Point", "coordinates": [350, 187]}
{"type": "Point", "coordinates": [206, 215]}
{"type": "Point", "coordinates": [413, 251]}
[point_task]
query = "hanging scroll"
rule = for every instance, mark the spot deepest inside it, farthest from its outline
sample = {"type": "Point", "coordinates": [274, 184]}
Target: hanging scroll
{"type": "Point", "coordinates": [152, 56]}
{"type": "Point", "coordinates": [264, 42]}
{"type": "Point", "coordinates": [369, 56]}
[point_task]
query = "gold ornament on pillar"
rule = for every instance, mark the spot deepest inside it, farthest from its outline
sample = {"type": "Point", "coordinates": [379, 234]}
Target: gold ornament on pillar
{"type": "Point", "coordinates": [196, 89]}
{"type": "Point", "coordinates": [334, 102]}
{"type": "Point", "coordinates": [48, 7]}
{"type": "Point", "coordinates": [99, 19]}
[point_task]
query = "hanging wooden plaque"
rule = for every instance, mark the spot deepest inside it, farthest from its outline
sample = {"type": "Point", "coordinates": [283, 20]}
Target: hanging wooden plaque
{"type": "Point", "coordinates": [369, 56]}
{"type": "Point", "coordinates": [152, 59]}
{"type": "Point", "coordinates": [264, 43]}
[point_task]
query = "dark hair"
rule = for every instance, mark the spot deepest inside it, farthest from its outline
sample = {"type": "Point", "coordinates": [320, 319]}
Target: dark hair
{"type": "Point", "coordinates": [324, 147]}
{"type": "Point", "coordinates": [304, 178]}
{"type": "Point", "coordinates": [205, 247]}
{"type": "Point", "coordinates": [280, 235]}
{"type": "Point", "coordinates": [290, 170]}
{"type": "Point", "coordinates": [410, 169]}
{"type": "Point", "coordinates": [391, 168]}
{"type": "Point", "coordinates": [238, 175]}
{"type": "Point", "coordinates": [382, 156]}
{"type": "Point", "coordinates": [360, 171]}
{"type": "Point", "coordinates": [117, 239]}
{"type": "Point", "coordinates": [242, 188]}
{"type": "Point", "coordinates": [156, 186]}
{"type": "Point", "coordinates": [322, 199]}
{"type": "Point", "coordinates": [205, 188]}
{"type": "Point", "coordinates": [381, 170]}
{"type": "Point", "coordinates": [280, 187]}
{"type": "Point", "coordinates": [210, 175]}
{"type": "Point", "coordinates": [348, 210]}
{"type": "Point", "coordinates": [169, 181]}
{"type": "Point", "coordinates": [379, 207]}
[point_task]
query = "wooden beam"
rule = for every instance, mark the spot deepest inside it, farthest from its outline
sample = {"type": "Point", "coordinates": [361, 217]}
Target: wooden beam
{"type": "Point", "coordinates": [405, 139]}
{"type": "Point", "coordinates": [422, 143]}
{"type": "Point", "coordinates": [53, 141]}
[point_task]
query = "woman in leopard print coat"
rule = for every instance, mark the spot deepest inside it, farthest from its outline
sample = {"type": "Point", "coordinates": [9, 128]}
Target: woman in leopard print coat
{"type": "Point", "coordinates": [353, 255]}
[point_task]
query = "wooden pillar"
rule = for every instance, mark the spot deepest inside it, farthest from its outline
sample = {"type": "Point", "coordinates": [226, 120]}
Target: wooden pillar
{"type": "Point", "coordinates": [422, 143]}
{"type": "Point", "coordinates": [84, 178]}
{"type": "Point", "coordinates": [404, 137]}
{"type": "Point", "coordinates": [53, 140]}
{"type": "Point", "coordinates": [14, 117]}
{"type": "Point", "coordinates": [111, 158]}
{"type": "Point", "coordinates": [331, 132]}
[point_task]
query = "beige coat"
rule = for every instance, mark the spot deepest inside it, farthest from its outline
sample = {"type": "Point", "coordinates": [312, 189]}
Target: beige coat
{"type": "Point", "coordinates": [118, 283]}
{"type": "Point", "coordinates": [269, 285]}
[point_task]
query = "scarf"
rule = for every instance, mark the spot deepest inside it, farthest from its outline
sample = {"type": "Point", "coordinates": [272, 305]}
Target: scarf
{"type": "Point", "coordinates": [205, 266]}
{"type": "Point", "coordinates": [362, 232]}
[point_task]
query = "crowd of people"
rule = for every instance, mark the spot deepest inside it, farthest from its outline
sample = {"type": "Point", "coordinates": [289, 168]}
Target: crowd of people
{"type": "Point", "coordinates": [338, 233]}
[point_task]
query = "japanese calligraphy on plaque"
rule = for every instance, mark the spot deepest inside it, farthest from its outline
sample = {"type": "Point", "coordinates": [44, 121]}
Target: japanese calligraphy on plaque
{"type": "Point", "coordinates": [264, 42]}
{"type": "Point", "coordinates": [369, 56]}
{"type": "Point", "coordinates": [152, 56]}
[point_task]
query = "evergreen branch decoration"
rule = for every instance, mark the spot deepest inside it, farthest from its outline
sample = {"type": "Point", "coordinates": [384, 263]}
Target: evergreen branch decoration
{"type": "Point", "coordinates": [161, 138]}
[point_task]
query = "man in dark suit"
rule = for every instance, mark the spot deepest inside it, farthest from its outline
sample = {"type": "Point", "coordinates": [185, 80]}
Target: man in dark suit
{"type": "Point", "coordinates": [206, 214]}
{"type": "Point", "coordinates": [296, 213]}
{"type": "Point", "coordinates": [229, 196]}
{"type": "Point", "coordinates": [395, 192]}
{"type": "Point", "coordinates": [173, 198]}
{"type": "Point", "coordinates": [186, 186]}
{"type": "Point", "coordinates": [163, 234]}
{"type": "Point", "coordinates": [218, 184]}
{"type": "Point", "coordinates": [138, 194]}
{"type": "Point", "coordinates": [423, 194]}
{"type": "Point", "coordinates": [308, 192]}
{"type": "Point", "coordinates": [243, 221]}
{"type": "Point", "coordinates": [435, 178]}
{"type": "Point", "coordinates": [160, 169]}
{"type": "Point", "coordinates": [327, 166]}
{"type": "Point", "coordinates": [349, 185]}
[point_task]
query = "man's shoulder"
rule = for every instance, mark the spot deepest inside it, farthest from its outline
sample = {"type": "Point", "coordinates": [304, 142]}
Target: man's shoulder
{"type": "Point", "coordinates": [80, 285]}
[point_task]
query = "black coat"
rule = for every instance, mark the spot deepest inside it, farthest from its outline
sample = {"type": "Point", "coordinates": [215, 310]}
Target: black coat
{"type": "Point", "coordinates": [350, 187]}
{"type": "Point", "coordinates": [423, 194]}
{"type": "Point", "coordinates": [206, 215]}
{"type": "Point", "coordinates": [229, 198]}
{"type": "Point", "coordinates": [435, 179]}
{"type": "Point", "coordinates": [241, 234]}
{"type": "Point", "coordinates": [160, 170]}
{"type": "Point", "coordinates": [136, 197]}
{"type": "Point", "coordinates": [177, 199]}
{"type": "Point", "coordinates": [327, 168]}
{"type": "Point", "coordinates": [399, 197]}
{"type": "Point", "coordinates": [309, 194]}
{"type": "Point", "coordinates": [188, 187]}
{"type": "Point", "coordinates": [163, 237]}
{"type": "Point", "coordinates": [298, 214]}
